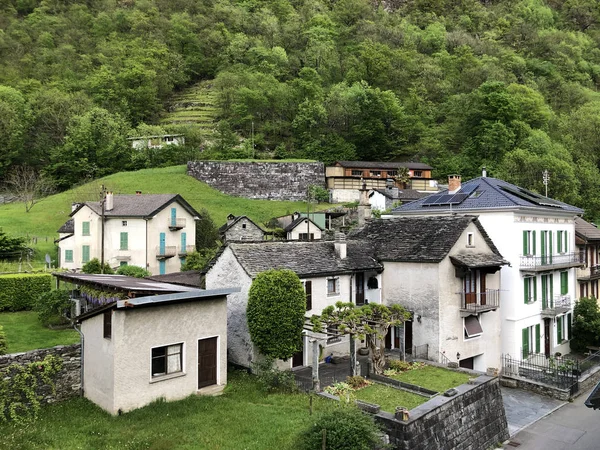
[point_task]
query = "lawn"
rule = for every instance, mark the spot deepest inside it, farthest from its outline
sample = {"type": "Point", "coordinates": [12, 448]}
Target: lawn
{"type": "Point", "coordinates": [51, 212]}
{"type": "Point", "coordinates": [242, 418]}
{"type": "Point", "coordinates": [434, 378]}
{"type": "Point", "coordinates": [388, 397]}
{"type": "Point", "coordinates": [24, 332]}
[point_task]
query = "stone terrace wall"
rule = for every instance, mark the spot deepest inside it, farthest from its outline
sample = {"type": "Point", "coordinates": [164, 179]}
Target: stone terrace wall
{"type": "Point", "coordinates": [261, 180]}
{"type": "Point", "coordinates": [474, 419]}
{"type": "Point", "coordinates": [68, 380]}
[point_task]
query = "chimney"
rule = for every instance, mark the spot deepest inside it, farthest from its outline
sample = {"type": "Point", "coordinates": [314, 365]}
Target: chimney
{"type": "Point", "coordinates": [230, 219]}
{"type": "Point", "coordinates": [138, 192]}
{"type": "Point", "coordinates": [364, 207]}
{"type": "Point", "coordinates": [453, 184]}
{"type": "Point", "coordinates": [295, 215]}
{"type": "Point", "coordinates": [484, 173]}
{"type": "Point", "coordinates": [108, 202]}
{"type": "Point", "coordinates": [340, 244]}
{"type": "Point", "coordinates": [74, 206]}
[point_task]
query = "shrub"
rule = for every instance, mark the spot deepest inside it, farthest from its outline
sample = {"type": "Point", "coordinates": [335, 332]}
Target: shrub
{"type": "Point", "coordinates": [20, 292]}
{"type": "Point", "coordinates": [346, 429]}
{"type": "Point", "coordinates": [399, 366]}
{"type": "Point", "coordinates": [3, 343]}
{"type": "Point", "coordinates": [272, 379]}
{"type": "Point", "coordinates": [357, 382]}
{"type": "Point", "coordinates": [133, 271]}
{"type": "Point", "coordinates": [54, 307]}
{"type": "Point", "coordinates": [93, 266]}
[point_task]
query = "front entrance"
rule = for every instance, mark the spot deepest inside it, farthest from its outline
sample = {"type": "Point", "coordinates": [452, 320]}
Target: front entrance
{"type": "Point", "coordinates": [408, 337]}
{"type": "Point", "coordinates": [547, 337]}
{"type": "Point", "coordinates": [207, 362]}
{"type": "Point", "coordinates": [360, 288]}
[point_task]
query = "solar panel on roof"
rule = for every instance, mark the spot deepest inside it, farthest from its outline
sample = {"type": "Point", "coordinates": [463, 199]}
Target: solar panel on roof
{"type": "Point", "coordinates": [531, 197]}
{"type": "Point", "coordinates": [458, 198]}
{"type": "Point", "coordinates": [431, 199]}
{"type": "Point", "coordinates": [469, 188]}
{"type": "Point", "coordinates": [444, 199]}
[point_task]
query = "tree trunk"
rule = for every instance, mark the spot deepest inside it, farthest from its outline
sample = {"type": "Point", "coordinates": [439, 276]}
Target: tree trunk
{"type": "Point", "coordinates": [353, 355]}
{"type": "Point", "coordinates": [378, 351]}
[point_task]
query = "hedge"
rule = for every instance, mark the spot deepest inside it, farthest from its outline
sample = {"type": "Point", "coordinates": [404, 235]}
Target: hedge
{"type": "Point", "coordinates": [20, 292]}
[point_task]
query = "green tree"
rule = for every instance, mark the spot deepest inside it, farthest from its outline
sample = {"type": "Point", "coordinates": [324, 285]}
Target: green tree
{"type": "Point", "coordinates": [275, 313]}
{"type": "Point", "coordinates": [3, 343]}
{"type": "Point", "coordinates": [207, 233]}
{"type": "Point", "coordinates": [54, 307]}
{"type": "Point", "coordinates": [13, 124]}
{"type": "Point", "coordinates": [10, 247]}
{"type": "Point", "coordinates": [586, 324]}
{"type": "Point", "coordinates": [133, 271]}
{"type": "Point", "coordinates": [94, 266]}
{"type": "Point", "coordinates": [199, 259]}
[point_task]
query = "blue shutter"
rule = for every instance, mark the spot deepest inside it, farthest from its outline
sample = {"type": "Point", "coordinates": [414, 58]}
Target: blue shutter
{"type": "Point", "coordinates": [162, 244]}
{"type": "Point", "coordinates": [174, 217]}
{"type": "Point", "coordinates": [183, 242]}
{"type": "Point", "coordinates": [162, 267]}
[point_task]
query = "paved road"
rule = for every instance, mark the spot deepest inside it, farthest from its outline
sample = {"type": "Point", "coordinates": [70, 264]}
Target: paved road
{"type": "Point", "coordinates": [572, 427]}
{"type": "Point", "coordinates": [524, 408]}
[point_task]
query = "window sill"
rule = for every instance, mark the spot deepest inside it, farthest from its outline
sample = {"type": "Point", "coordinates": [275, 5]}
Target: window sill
{"type": "Point", "coordinates": [169, 376]}
{"type": "Point", "coordinates": [333, 294]}
{"type": "Point", "coordinates": [469, 246]}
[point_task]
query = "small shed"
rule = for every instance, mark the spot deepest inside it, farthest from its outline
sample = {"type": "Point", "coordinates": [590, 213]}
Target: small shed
{"type": "Point", "coordinates": [167, 346]}
{"type": "Point", "coordinates": [303, 229]}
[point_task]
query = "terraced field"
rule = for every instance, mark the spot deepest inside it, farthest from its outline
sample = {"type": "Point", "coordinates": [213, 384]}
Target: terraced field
{"type": "Point", "coordinates": [196, 105]}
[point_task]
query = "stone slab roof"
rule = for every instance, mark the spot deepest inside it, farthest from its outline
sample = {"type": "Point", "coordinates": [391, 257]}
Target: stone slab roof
{"type": "Point", "coordinates": [315, 258]}
{"type": "Point", "coordinates": [383, 165]}
{"type": "Point", "coordinates": [299, 221]}
{"type": "Point", "coordinates": [142, 205]}
{"type": "Point", "coordinates": [586, 230]}
{"type": "Point", "coordinates": [416, 239]}
{"type": "Point", "coordinates": [67, 227]}
{"type": "Point", "coordinates": [227, 226]}
{"type": "Point", "coordinates": [478, 260]}
{"type": "Point", "coordinates": [486, 194]}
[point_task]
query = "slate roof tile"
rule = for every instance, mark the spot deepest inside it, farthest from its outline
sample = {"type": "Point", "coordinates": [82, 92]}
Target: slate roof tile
{"type": "Point", "coordinates": [142, 205]}
{"type": "Point", "coordinates": [383, 165]}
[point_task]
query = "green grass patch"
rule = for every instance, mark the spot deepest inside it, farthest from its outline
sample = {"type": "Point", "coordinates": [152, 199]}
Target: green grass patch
{"type": "Point", "coordinates": [51, 212]}
{"type": "Point", "coordinates": [242, 418]}
{"type": "Point", "coordinates": [388, 397]}
{"type": "Point", "coordinates": [24, 332]}
{"type": "Point", "coordinates": [434, 378]}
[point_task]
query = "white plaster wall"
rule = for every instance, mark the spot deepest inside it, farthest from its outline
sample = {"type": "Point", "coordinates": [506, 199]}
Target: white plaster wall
{"type": "Point", "coordinates": [345, 195]}
{"type": "Point", "coordinates": [63, 246]}
{"type": "Point", "coordinates": [377, 201]}
{"type": "Point", "coordinates": [302, 227]}
{"type": "Point", "coordinates": [136, 236]}
{"type": "Point", "coordinates": [137, 331]}
{"type": "Point", "coordinates": [98, 364]}
{"type": "Point", "coordinates": [85, 214]}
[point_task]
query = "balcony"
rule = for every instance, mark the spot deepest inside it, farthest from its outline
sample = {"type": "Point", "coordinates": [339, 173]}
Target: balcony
{"type": "Point", "coordinates": [551, 262]}
{"type": "Point", "coordinates": [187, 249]}
{"type": "Point", "coordinates": [560, 304]}
{"type": "Point", "coordinates": [164, 252]}
{"type": "Point", "coordinates": [176, 223]}
{"type": "Point", "coordinates": [123, 255]}
{"type": "Point", "coordinates": [588, 273]}
{"type": "Point", "coordinates": [479, 302]}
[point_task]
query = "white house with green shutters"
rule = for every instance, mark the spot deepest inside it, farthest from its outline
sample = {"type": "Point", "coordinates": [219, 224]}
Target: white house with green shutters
{"type": "Point", "coordinates": [536, 235]}
{"type": "Point", "coordinates": [155, 231]}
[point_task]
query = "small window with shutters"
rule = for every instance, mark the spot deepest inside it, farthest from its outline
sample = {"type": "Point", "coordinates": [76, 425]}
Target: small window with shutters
{"type": "Point", "coordinates": [564, 283]}
{"type": "Point", "coordinates": [308, 290]}
{"type": "Point", "coordinates": [529, 242]}
{"type": "Point", "coordinates": [124, 241]}
{"type": "Point", "coordinates": [85, 228]}
{"type": "Point", "coordinates": [107, 324]}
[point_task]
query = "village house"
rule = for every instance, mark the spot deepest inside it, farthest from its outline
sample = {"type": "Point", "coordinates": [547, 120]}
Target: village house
{"type": "Point", "coordinates": [303, 229]}
{"type": "Point", "coordinates": [157, 141]}
{"type": "Point", "coordinates": [536, 235]}
{"type": "Point", "coordinates": [240, 228]}
{"type": "Point", "coordinates": [154, 231]}
{"type": "Point", "coordinates": [446, 271]}
{"type": "Point", "coordinates": [385, 199]}
{"type": "Point", "coordinates": [330, 272]}
{"type": "Point", "coordinates": [587, 240]}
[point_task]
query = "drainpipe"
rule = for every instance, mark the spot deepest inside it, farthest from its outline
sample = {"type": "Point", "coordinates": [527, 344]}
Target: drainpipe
{"type": "Point", "coordinates": [146, 244]}
{"type": "Point", "coordinates": [82, 340]}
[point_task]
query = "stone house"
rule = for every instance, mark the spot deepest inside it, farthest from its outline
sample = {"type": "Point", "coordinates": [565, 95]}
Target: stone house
{"type": "Point", "coordinates": [383, 199]}
{"type": "Point", "coordinates": [536, 235]}
{"type": "Point", "coordinates": [587, 240]}
{"type": "Point", "coordinates": [329, 271]}
{"type": "Point", "coordinates": [446, 271]}
{"type": "Point", "coordinates": [303, 229]}
{"type": "Point", "coordinates": [157, 141]}
{"type": "Point", "coordinates": [155, 231]}
{"type": "Point", "coordinates": [240, 228]}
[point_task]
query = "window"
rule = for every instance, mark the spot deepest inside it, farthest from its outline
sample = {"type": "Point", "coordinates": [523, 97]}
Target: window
{"type": "Point", "coordinates": [85, 253]}
{"type": "Point", "coordinates": [122, 263]}
{"type": "Point", "coordinates": [417, 173]}
{"type": "Point", "coordinates": [107, 324]}
{"type": "Point", "coordinates": [372, 283]}
{"type": "Point", "coordinates": [470, 240]}
{"type": "Point", "coordinates": [547, 291]}
{"type": "Point", "coordinates": [561, 329]}
{"type": "Point", "coordinates": [392, 173]}
{"type": "Point", "coordinates": [357, 173]}
{"type": "Point", "coordinates": [528, 242]}
{"type": "Point", "coordinates": [85, 228]}
{"type": "Point", "coordinates": [564, 283]}
{"type": "Point", "coordinates": [530, 340]}
{"type": "Point", "coordinates": [472, 327]}
{"type": "Point", "coordinates": [167, 360]}
{"type": "Point", "coordinates": [375, 173]}
{"type": "Point", "coordinates": [546, 238]}
{"type": "Point", "coordinates": [124, 241]}
{"type": "Point", "coordinates": [529, 289]}
{"type": "Point", "coordinates": [333, 286]}
{"type": "Point", "coordinates": [68, 255]}
{"type": "Point", "coordinates": [124, 223]}
{"type": "Point", "coordinates": [308, 290]}
{"type": "Point", "coordinates": [561, 241]}
{"type": "Point", "coordinates": [244, 225]}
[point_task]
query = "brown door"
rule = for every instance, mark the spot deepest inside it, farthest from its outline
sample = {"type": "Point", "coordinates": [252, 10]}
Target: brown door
{"type": "Point", "coordinates": [360, 288]}
{"type": "Point", "coordinates": [470, 293]}
{"type": "Point", "coordinates": [207, 362]}
{"type": "Point", "coordinates": [397, 331]}
{"type": "Point", "coordinates": [482, 288]}
{"type": "Point", "coordinates": [547, 337]}
{"type": "Point", "coordinates": [408, 341]}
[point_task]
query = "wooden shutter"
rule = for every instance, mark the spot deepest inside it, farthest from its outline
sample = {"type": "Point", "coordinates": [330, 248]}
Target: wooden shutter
{"type": "Point", "coordinates": [551, 299]}
{"type": "Point", "coordinates": [525, 246]}
{"type": "Point", "coordinates": [124, 241]}
{"type": "Point", "coordinates": [534, 251]}
{"type": "Point", "coordinates": [534, 281]}
{"type": "Point", "coordinates": [569, 326]}
{"type": "Point", "coordinates": [308, 290]}
{"type": "Point", "coordinates": [183, 241]}
{"type": "Point", "coordinates": [560, 240]}
{"type": "Point", "coordinates": [564, 283]}
{"type": "Point", "coordinates": [550, 249]}
{"type": "Point", "coordinates": [85, 228]}
{"type": "Point", "coordinates": [525, 290]}
{"type": "Point", "coordinates": [85, 253]}
{"type": "Point", "coordinates": [544, 234]}
{"type": "Point", "coordinates": [544, 291]}
{"type": "Point", "coordinates": [537, 338]}
{"type": "Point", "coordinates": [525, 342]}
{"type": "Point", "coordinates": [559, 329]}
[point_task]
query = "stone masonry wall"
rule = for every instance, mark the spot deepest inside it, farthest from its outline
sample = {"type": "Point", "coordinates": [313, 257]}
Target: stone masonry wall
{"type": "Point", "coordinates": [68, 380]}
{"type": "Point", "coordinates": [474, 419]}
{"type": "Point", "coordinates": [261, 180]}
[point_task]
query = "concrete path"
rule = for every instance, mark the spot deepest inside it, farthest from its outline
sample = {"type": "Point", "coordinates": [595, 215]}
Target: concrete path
{"type": "Point", "coordinates": [524, 408]}
{"type": "Point", "coordinates": [572, 427]}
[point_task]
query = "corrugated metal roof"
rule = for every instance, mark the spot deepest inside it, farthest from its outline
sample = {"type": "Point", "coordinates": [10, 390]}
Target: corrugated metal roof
{"type": "Point", "coordinates": [155, 300]}
{"type": "Point", "coordinates": [122, 282]}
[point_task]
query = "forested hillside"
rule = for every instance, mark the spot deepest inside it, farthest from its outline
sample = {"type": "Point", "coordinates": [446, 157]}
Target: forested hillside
{"type": "Point", "coordinates": [460, 84]}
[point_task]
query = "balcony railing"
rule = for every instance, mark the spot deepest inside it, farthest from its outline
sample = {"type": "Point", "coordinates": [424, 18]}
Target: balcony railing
{"type": "Point", "coordinates": [548, 262]}
{"type": "Point", "coordinates": [558, 305]}
{"type": "Point", "coordinates": [123, 255]}
{"type": "Point", "coordinates": [176, 223]}
{"type": "Point", "coordinates": [479, 302]}
{"type": "Point", "coordinates": [168, 251]}
{"type": "Point", "coordinates": [187, 249]}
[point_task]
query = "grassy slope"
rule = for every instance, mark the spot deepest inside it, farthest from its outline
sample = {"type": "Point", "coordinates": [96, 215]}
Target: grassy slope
{"type": "Point", "coordinates": [242, 418]}
{"type": "Point", "coordinates": [434, 378]}
{"type": "Point", "coordinates": [50, 213]}
{"type": "Point", "coordinates": [24, 332]}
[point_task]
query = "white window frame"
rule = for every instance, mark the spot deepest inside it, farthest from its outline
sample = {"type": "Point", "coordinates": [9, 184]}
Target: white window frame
{"type": "Point", "coordinates": [173, 372]}
{"type": "Point", "coordinates": [466, 336]}
{"type": "Point", "coordinates": [336, 284]}
{"type": "Point", "coordinates": [124, 223]}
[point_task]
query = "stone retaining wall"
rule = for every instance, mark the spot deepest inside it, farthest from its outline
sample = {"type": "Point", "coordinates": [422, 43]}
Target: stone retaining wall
{"type": "Point", "coordinates": [68, 380]}
{"type": "Point", "coordinates": [534, 386]}
{"type": "Point", "coordinates": [260, 180]}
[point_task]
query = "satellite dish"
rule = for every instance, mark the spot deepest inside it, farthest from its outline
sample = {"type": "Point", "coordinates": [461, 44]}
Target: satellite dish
{"type": "Point", "coordinates": [48, 260]}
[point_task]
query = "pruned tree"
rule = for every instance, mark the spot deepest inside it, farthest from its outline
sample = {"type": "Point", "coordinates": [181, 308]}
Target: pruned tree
{"type": "Point", "coordinates": [371, 322]}
{"type": "Point", "coordinates": [29, 185]}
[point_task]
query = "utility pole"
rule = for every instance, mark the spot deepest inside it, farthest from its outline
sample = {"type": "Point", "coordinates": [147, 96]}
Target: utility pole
{"type": "Point", "coordinates": [102, 203]}
{"type": "Point", "coordinates": [546, 179]}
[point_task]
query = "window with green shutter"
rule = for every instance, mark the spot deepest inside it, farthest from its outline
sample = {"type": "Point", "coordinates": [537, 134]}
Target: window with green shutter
{"type": "Point", "coordinates": [124, 241]}
{"type": "Point", "coordinates": [559, 241]}
{"type": "Point", "coordinates": [68, 255]}
{"type": "Point", "coordinates": [85, 253]}
{"type": "Point", "coordinates": [537, 338]}
{"type": "Point", "coordinates": [559, 329]}
{"type": "Point", "coordinates": [564, 283]}
{"type": "Point", "coordinates": [525, 342]}
{"type": "Point", "coordinates": [569, 325]}
{"type": "Point", "coordinates": [85, 228]}
{"type": "Point", "coordinates": [525, 290]}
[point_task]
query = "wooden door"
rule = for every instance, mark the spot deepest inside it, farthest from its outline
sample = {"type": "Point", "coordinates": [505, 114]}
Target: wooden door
{"type": "Point", "coordinates": [408, 337]}
{"type": "Point", "coordinates": [547, 337]}
{"type": "Point", "coordinates": [470, 288]}
{"type": "Point", "coordinates": [397, 331]}
{"type": "Point", "coordinates": [482, 288]}
{"type": "Point", "coordinates": [360, 288]}
{"type": "Point", "coordinates": [207, 362]}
